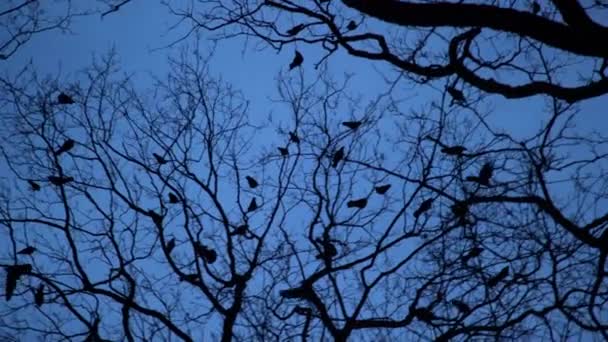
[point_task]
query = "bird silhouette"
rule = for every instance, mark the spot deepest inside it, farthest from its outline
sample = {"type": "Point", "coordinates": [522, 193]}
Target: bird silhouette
{"type": "Point", "coordinates": [329, 251]}
{"type": "Point", "coordinates": [284, 151]}
{"type": "Point", "coordinates": [352, 25]}
{"type": "Point", "coordinates": [59, 181]}
{"type": "Point", "coordinates": [39, 295]}
{"type": "Point", "coordinates": [454, 150]}
{"type": "Point", "coordinates": [352, 124]}
{"type": "Point", "coordinates": [460, 209]}
{"type": "Point", "coordinates": [298, 59]}
{"type": "Point", "coordinates": [170, 246]}
{"type": "Point", "coordinates": [13, 273]}
{"type": "Point", "coordinates": [359, 203]}
{"type": "Point", "coordinates": [208, 254]}
{"type": "Point", "coordinates": [241, 230]}
{"type": "Point", "coordinates": [472, 253]}
{"type": "Point", "coordinates": [293, 137]}
{"type": "Point", "coordinates": [65, 147]}
{"type": "Point", "coordinates": [493, 281]}
{"type": "Point", "coordinates": [193, 277]}
{"type": "Point", "coordinates": [173, 199]}
{"type": "Point", "coordinates": [252, 182]}
{"type": "Point", "coordinates": [461, 306]}
{"type": "Point", "coordinates": [160, 160]}
{"type": "Point", "coordinates": [156, 218]}
{"type": "Point", "coordinates": [457, 95]}
{"type": "Point", "coordinates": [295, 30]}
{"type": "Point", "coordinates": [295, 293]}
{"type": "Point", "coordinates": [63, 99]}
{"type": "Point", "coordinates": [33, 185]}
{"type": "Point", "coordinates": [485, 174]}
{"type": "Point", "coordinates": [424, 207]}
{"type": "Point", "coordinates": [338, 156]}
{"type": "Point", "coordinates": [253, 205]}
{"type": "Point", "coordinates": [29, 250]}
{"type": "Point", "coordinates": [382, 189]}
{"type": "Point", "coordinates": [424, 314]}
{"type": "Point", "coordinates": [535, 7]}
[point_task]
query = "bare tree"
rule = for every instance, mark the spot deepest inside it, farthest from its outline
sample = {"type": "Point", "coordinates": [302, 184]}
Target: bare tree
{"type": "Point", "coordinates": [516, 49]}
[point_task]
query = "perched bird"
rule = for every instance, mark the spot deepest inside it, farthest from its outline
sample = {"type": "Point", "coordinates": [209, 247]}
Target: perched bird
{"type": "Point", "coordinates": [252, 182]}
{"type": "Point", "coordinates": [485, 174]}
{"type": "Point", "coordinates": [59, 181]}
{"type": "Point", "coordinates": [13, 273]}
{"type": "Point", "coordinates": [173, 199]}
{"type": "Point", "coordinates": [208, 254]}
{"type": "Point", "coordinates": [460, 209]}
{"type": "Point", "coordinates": [461, 306]}
{"type": "Point", "coordinates": [457, 95]}
{"type": "Point", "coordinates": [160, 160]}
{"type": "Point", "coordinates": [472, 253]}
{"type": "Point", "coordinates": [295, 30]}
{"type": "Point", "coordinates": [156, 218]}
{"type": "Point", "coordinates": [39, 295]}
{"type": "Point", "coordinates": [352, 25]}
{"type": "Point", "coordinates": [338, 156]}
{"type": "Point", "coordinates": [65, 147]}
{"type": "Point", "coordinates": [189, 277]}
{"type": "Point", "coordinates": [29, 250]}
{"type": "Point", "coordinates": [382, 189]}
{"type": "Point", "coordinates": [493, 281]}
{"type": "Point", "coordinates": [241, 230]}
{"type": "Point", "coordinates": [454, 150]}
{"type": "Point", "coordinates": [170, 246]}
{"type": "Point", "coordinates": [253, 205]}
{"type": "Point", "coordinates": [535, 7]}
{"type": "Point", "coordinates": [298, 59]}
{"type": "Point", "coordinates": [424, 315]}
{"type": "Point", "coordinates": [63, 98]}
{"type": "Point", "coordinates": [359, 203]}
{"type": "Point", "coordinates": [329, 251]}
{"type": "Point", "coordinates": [295, 293]}
{"type": "Point", "coordinates": [33, 185]}
{"type": "Point", "coordinates": [424, 207]}
{"type": "Point", "coordinates": [284, 151]}
{"type": "Point", "coordinates": [294, 137]}
{"type": "Point", "coordinates": [352, 124]}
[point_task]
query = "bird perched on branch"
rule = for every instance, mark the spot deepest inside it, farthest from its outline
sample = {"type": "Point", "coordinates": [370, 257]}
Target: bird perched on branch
{"type": "Point", "coordinates": [359, 203]}
{"type": "Point", "coordinates": [338, 156]}
{"type": "Point", "coordinates": [502, 275]}
{"type": "Point", "coordinates": [252, 182]}
{"type": "Point", "coordinates": [297, 61]}
{"type": "Point", "coordinates": [293, 137]}
{"type": "Point", "coordinates": [424, 207]}
{"type": "Point", "coordinates": [284, 151]}
{"type": "Point", "coordinates": [295, 30]}
{"type": "Point", "coordinates": [382, 189]}
{"type": "Point", "coordinates": [472, 253]}
{"type": "Point", "coordinates": [454, 150]}
{"type": "Point", "coordinates": [352, 25]}
{"type": "Point", "coordinates": [159, 159]}
{"type": "Point", "coordinates": [13, 273]}
{"type": "Point", "coordinates": [39, 295]}
{"type": "Point", "coordinates": [170, 246]}
{"type": "Point", "coordinates": [354, 125]}
{"type": "Point", "coordinates": [461, 306]}
{"type": "Point", "coordinates": [173, 199]}
{"type": "Point", "coordinates": [33, 185]}
{"type": "Point", "coordinates": [457, 95]}
{"type": "Point", "coordinates": [253, 205]}
{"type": "Point", "coordinates": [29, 250]}
{"type": "Point", "coordinates": [208, 254]}
{"type": "Point", "coordinates": [59, 181]}
{"type": "Point", "coordinates": [64, 99]}
{"type": "Point", "coordinates": [65, 147]}
{"type": "Point", "coordinates": [485, 174]}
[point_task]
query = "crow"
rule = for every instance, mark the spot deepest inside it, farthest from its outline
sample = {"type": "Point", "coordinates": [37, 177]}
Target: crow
{"type": "Point", "coordinates": [298, 59]}
{"type": "Point", "coordinates": [156, 218]}
{"type": "Point", "coordinates": [29, 250]}
{"type": "Point", "coordinates": [352, 25]}
{"type": "Point", "coordinates": [424, 207]}
{"type": "Point", "coordinates": [457, 95]}
{"type": "Point", "coordinates": [461, 306]}
{"type": "Point", "coordinates": [329, 251]}
{"type": "Point", "coordinates": [424, 314]}
{"type": "Point", "coordinates": [189, 277]}
{"type": "Point", "coordinates": [13, 273]}
{"type": "Point", "coordinates": [382, 189]}
{"type": "Point", "coordinates": [39, 295]}
{"type": "Point", "coordinates": [33, 185]}
{"type": "Point", "coordinates": [484, 175]}
{"type": "Point", "coordinates": [352, 124]}
{"type": "Point", "coordinates": [295, 293]}
{"type": "Point", "coordinates": [241, 230]}
{"type": "Point", "coordinates": [65, 147]}
{"type": "Point", "coordinates": [208, 254]}
{"type": "Point", "coordinates": [63, 99]}
{"type": "Point", "coordinates": [472, 253]}
{"type": "Point", "coordinates": [173, 199]}
{"type": "Point", "coordinates": [454, 150]}
{"type": "Point", "coordinates": [170, 246]}
{"type": "Point", "coordinates": [59, 181]}
{"type": "Point", "coordinates": [253, 205]}
{"type": "Point", "coordinates": [338, 156]}
{"type": "Point", "coordinates": [252, 182]}
{"type": "Point", "coordinates": [295, 30]}
{"type": "Point", "coordinates": [284, 151]}
{"type": "Point", "coordinates": [160, 160]}
{"type": "Point", "coordinates": [294, 137]}
{"type": "Point", "coordinates": [493, 281]}
{"type": "Point", "coordinates": [359, 203]}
